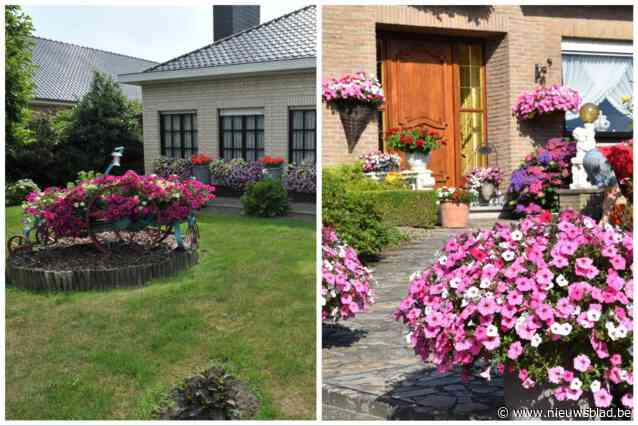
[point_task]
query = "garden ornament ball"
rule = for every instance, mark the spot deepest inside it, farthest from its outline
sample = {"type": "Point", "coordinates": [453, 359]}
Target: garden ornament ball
{"type": "Point", "coordinates": [589, 112]}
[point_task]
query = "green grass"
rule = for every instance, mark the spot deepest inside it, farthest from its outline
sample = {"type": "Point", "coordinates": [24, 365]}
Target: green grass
{"type": "Point", "coordinates": [248, 305]}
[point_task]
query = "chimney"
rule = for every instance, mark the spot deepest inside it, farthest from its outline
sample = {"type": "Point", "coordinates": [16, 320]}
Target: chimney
{"type": "Point", "coordinates": [228, 20]}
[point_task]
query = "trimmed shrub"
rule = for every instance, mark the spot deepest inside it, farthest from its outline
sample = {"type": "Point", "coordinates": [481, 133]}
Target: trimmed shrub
{"type": "Point", "coordinates": [267, 198]}
{"type": "Point", "coordinates": [405, 207]}
{"type": "Point", "coordinates": [17, 192]}
{"type": "Point", "coordinates": [352, 215]}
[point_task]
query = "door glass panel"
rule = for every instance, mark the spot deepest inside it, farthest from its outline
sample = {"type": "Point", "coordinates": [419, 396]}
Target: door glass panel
{"type": "Point", "coordinates": [471, 129]}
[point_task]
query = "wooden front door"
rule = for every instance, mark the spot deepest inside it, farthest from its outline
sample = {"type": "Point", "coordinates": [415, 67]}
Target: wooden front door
{"type": "Point", "coordinates": [418, 76]}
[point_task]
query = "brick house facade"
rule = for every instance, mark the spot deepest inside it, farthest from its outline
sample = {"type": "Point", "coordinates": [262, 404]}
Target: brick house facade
{"type": "Point", "coordinates": [248, 95]}
{"type": "Point", "coordinates": [514, 39]}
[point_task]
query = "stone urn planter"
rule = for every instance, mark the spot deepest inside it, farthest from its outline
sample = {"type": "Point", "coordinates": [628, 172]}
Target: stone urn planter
{"type": "Point", "coordinates": [487, 192]}
{"type": "Point", "coordinates": [526, 404]}
{"type": "Point", "coordinates": [418, 161]}
{"type": "Point", "coordinates": [454, 215]}
{"type": "Point", "coordinates": [201, 172]}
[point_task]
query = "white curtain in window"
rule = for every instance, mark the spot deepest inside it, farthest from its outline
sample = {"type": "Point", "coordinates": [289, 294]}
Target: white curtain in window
{"type": "Point", "coordinates": [598, 78]}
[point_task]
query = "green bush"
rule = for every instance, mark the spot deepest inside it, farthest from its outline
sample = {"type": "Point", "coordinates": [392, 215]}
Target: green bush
{"type": "Point", "coordinates": [266, 198]}
{"type": "Point", "coordinates": [405, 207]}
{"type": "Point", "coordinates": [16, 192]}
{"type": "Point", "coordinates": [353, 216]}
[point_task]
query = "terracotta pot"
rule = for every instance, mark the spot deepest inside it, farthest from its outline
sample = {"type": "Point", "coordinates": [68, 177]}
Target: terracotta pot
{"type": "Point", "coordinates": [454, 215]}
{"type": "Point", "coordinates": [418, 161]}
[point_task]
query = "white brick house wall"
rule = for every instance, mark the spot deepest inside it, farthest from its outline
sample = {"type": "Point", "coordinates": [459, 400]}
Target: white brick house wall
{"type": "Point", "coordinates": [275, 93]}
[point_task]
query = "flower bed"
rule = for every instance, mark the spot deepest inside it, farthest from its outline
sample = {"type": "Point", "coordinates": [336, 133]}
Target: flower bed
{"type": "Point", "coordinates": [301, 178]}
{"type": "Point", "coordinates": [351, 90]}
{"type": "Point", "coordinates": [115, 198]}
{"type": "Point", "coordinates": [546, 298]}
{"type": "Point", "coordinates": [544, 100]}
{"type": "Point", "coordinates": [621, 159]}
{"type": "Point", "coordinates": [533, 185]}
{"type": "Point", "coordinates": [165, 167]}
{"type": "Point", "coordinates": [346, 283]}
{"type": "Point", "coordinates": [236, 174]}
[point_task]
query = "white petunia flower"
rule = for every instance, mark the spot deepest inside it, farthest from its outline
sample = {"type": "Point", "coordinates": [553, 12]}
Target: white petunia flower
{"type": "Point", "coordinates": [594, 386]}
{"type": "Point", "coordinates": [593, 315]}
{"type": "Point", "coordinates": [536, 340]}
{"type": "Point", "coordinates": [491, 331]}
{"type": "Point", "coordinates": [561, 280]}
{"type": "Point", "coordinates": [508, 255]}
{"type": "Point", "coordinates": [517, 235]}
{"type": "Point", "coordinates": [575, 384]}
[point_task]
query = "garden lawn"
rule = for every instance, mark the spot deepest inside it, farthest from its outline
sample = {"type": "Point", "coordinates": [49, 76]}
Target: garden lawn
{"type": "Point", "coordinates": [249, 305]}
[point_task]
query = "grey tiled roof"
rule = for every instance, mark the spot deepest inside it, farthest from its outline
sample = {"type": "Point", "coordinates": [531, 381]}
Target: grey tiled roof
{"type": "Point", "coordinates": [288, 37]}
{"type": "Point", "coordinates": [64, 71]}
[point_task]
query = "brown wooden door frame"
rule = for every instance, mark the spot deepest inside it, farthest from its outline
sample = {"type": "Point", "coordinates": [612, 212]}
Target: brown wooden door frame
{"type": "Point", "coordinates": [382, 51]}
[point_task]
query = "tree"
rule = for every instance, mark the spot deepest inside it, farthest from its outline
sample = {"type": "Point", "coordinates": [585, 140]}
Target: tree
{"type": "Point", "coordinates": [102, 120]}
{"type": "Point", "coordinates": [19, 86]}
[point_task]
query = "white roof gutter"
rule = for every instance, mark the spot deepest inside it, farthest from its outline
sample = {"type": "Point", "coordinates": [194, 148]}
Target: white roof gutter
{"type": "Point", "coordinates": [218, 72]}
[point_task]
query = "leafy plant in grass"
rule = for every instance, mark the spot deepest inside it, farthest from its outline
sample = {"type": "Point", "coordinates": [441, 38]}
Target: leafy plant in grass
{"type": "Point", "coordinates": [267, 198]}
{"type": "Point", "coordinates": [211, 395]}
{"type": "Point", "coordinates": [351, 214]}
{"type": "Point", "coordinates": [17, 192]}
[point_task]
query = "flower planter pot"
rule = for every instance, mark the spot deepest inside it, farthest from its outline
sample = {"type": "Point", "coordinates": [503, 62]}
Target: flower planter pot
{"type": "Point", "coordinates": [201, 172]}
{"type": "Point", "coordinates": [418, 161]}
{"type": "Point", "coordinates": [454, 215]}
{"type": "Point", "coordinates": [526, 404]}
{"type": "Point", "coordinates": [355, 120]}
{"type": "Point", "coordinates": [487, 192]}
{"type": "Point", "coordinates": [377, 176]}
{"type": "Point", "coordinates": [275, 172]}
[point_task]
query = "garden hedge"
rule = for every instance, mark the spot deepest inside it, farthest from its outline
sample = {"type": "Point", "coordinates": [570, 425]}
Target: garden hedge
{"type": "Point", "coordinates": [405, 207]}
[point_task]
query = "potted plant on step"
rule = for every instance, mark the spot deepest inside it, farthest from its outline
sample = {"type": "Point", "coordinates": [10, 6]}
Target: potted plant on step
{"type": "Point", "coordinates": [273, 166]}
{"type": "Point", "coordinates": [545, 301]}
{"type": "Point", "coordinates": [455, 206]}
{"type": "Point", "coordinates": [377, 164]}
{"type": "Point", "coordinates": [200, 167]}
{"type": "Point", "coordinates": [417, 144]}
{"type": "Point", "coordinates": [484, 181]}
{"type": "Point", "coordinates": [356, 97]}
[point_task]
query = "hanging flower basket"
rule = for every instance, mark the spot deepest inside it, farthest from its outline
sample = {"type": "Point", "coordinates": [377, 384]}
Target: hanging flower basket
{"type": "Point", "coordinates": [354, 121]}
{"type": "Point", "coordinates": [356, 97]}
{"type": "Point", "coordinates": [545, 100]}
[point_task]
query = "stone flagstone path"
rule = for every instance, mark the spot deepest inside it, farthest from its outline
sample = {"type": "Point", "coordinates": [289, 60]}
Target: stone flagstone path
{"type": "Point", "coordinates": [370, 372]}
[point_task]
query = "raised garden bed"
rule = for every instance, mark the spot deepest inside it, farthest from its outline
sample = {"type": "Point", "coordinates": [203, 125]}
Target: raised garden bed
{"type": "Point", "coordinates": [82, 267]}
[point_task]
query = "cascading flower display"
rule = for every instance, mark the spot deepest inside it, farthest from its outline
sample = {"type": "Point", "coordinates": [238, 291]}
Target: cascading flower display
{"type": "Point", "coordinates": [352, 89]}
{"type": "Point", "coordinates": [346, 285]}
{"type": "Point", "coordinates": [548, 299]}
{"type": "Point", "coordinates": [543, 100]}
{"type": "Point", "coordinates": [301, 178]}
{"type": "Point", "coordinates": [533, 184]}
{"type": "Point", "coordinates": [115, 198]}
{"type": "Point", "coordinates": [378, 161]}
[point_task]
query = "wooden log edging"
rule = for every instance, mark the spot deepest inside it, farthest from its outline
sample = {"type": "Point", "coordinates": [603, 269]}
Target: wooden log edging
{"type": "Point", "coordinates": [97, 279]}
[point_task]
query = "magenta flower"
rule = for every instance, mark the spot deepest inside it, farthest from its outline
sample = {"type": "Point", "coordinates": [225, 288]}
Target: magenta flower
{"type": "Point", "coordinates": [582, 363]}
{"type": "Point", "coordinates": [602, 398]}
{"type": "Point", "coordinates": [515, 350]}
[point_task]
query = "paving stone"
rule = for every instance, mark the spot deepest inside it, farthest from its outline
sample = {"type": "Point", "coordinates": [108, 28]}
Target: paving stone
{"type": "Point", "coordinates": [369, 356]}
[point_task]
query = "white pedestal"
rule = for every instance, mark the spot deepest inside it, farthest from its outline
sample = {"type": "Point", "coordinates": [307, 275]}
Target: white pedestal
{"type": "Point", "coordinates": [420, 180]}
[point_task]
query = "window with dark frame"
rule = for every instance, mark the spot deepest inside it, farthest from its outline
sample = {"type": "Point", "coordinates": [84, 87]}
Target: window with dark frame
{"type": "Point", "coordinates": [178, 134]}
{"type": "Point", "coordinates": [242, 136]}
{"type": "Point", "coordinates": [302, 140]}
